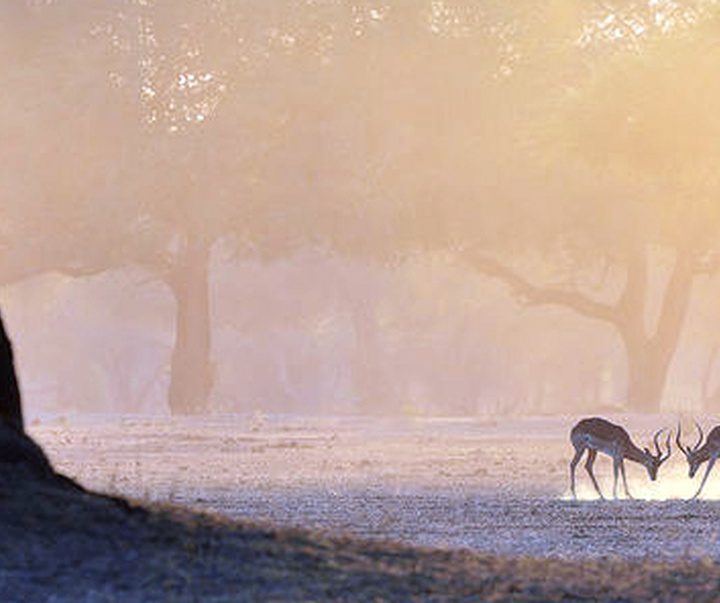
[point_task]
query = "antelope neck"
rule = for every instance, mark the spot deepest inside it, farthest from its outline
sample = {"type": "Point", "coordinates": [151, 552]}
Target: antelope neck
{"type": "Point", "coordinates": [633, 453]}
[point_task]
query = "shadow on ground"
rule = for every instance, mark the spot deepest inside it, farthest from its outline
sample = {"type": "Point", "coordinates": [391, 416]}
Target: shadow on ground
{"type": "Point", "coordinates": [61, 543]}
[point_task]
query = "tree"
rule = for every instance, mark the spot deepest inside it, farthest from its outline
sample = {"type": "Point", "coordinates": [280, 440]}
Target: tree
{"type": "Point", "coordinates": [372, 131]}
{"type": "Point", "coordinates": [649, 119]}
{"type": "Point", "coordinates": [16, 447]}
{"type": "Point", "coordinates": [158, 131]}
{"type": "Point", "coordinates": [595, 230]}
{"type": "Point", "coordinates": [10, 405]}
{"type": "Point", "coordinates": [217, 113]}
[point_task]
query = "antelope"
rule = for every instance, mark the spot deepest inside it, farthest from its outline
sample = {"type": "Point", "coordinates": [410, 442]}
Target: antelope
{"type": "Point", "coordinates": [598, 435]}
{"type": "Point", "coordinates": [701, 452]}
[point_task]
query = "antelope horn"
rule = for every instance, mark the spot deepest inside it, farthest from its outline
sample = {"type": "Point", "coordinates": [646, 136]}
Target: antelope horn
{"type": "Point", "coordinates": [669, 448]}
{"type": "Point", "coordinates": [657, 444]}
{"type": "Point", "coordinates": [677, 439]}
{"type": "Point", "coordinates": [700, 437]}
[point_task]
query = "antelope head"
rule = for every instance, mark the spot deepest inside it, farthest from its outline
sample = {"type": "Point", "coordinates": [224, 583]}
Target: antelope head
{"type": "Point", "coordinates": [692, 453]}
{"type": "Point", "coordinates": [653, 461]}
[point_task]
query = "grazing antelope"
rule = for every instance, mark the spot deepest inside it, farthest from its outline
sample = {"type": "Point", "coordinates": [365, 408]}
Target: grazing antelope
{"type": "Point", "coordinates": [701, 452]}
{"type": "Point", "coordinates": [598, 435]}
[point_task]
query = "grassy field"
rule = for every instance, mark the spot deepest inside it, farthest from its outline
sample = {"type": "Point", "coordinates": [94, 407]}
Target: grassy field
{"type": "Point", "coordinates": [64, 545]}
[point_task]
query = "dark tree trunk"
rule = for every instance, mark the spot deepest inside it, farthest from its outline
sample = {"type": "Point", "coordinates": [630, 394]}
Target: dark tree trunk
{"type": "Point", "coordinates": [17, 449]}
{"type": "Point", "coordinates": [10, 405]}
{"type": "Point", "coordinates": [649, 356]}
{"type": "Point", "coordinates": [191, 374]}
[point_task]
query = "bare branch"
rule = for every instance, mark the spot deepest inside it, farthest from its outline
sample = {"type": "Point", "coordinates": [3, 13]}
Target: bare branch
{"type": "Point", "coordinates": [532, 294]}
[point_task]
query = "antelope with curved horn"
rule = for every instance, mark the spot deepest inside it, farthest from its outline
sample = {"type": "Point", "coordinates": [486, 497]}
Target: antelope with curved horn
{"type": "Point", "coordinates": [598, 435]}
{"type": "Point", "coordinates": [700, 452]}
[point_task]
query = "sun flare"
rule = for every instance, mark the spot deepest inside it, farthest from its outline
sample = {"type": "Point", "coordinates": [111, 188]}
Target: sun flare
{"type": "Point", "coordinates": [674, 486]}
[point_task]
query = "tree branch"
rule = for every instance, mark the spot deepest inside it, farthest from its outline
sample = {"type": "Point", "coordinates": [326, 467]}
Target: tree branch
{"type": "Point", "coordinates": [535, 295]}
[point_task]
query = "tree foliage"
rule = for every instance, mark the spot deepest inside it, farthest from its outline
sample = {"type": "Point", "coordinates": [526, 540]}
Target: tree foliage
{"type": "Point", "coordinates": [553, 146]}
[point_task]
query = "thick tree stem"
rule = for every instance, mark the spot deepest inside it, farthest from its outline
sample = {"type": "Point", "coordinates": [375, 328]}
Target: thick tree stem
{"type": "Point", "coordinates": [10, 404]}
{"type": "Point", "coordinates": [17, 449]}
{"type": "Point", "coordinates": [191, 375]}
{"type": "Point", "coordinates": [648, 356]}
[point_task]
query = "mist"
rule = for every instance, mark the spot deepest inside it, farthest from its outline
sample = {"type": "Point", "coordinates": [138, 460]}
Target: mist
{"type": "Point", "coordinates": [419, 209]}
{"type": "Point", "coordinates": [314, 300]}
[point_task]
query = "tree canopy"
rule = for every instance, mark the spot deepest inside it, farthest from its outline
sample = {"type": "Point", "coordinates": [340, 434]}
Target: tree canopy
{"type": "Point", "coordinates": [554, 146]}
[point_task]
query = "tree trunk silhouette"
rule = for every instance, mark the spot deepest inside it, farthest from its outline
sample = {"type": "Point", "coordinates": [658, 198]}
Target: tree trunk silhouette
{"type": "Point", "coordinates": [10, 404]}
{"type": "Point", "coordinates": [648, 354]}
{"type": "Point", "coordinates": [17, 449]}
{"type": "Point", "coordinates": [191, 375]}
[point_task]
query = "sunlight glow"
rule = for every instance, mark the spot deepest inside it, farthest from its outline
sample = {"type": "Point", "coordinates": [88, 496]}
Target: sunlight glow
{"type": "Point", "coordinates": [674, 486]}
{"type": "Point", "coordinates": [616, 26]}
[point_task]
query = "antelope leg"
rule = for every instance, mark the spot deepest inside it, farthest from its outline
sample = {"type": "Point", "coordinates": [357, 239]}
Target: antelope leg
{"type": "Point", "coordinates": [589, 468]}
{"type": "Point", "coordinates": [576, 459]}
{"type": "Point", "coordinates": [616, 469]}
{"type": "Point", "coordinates": [624, 478]}
{"type": "Point", "coordinates": [710, 464]}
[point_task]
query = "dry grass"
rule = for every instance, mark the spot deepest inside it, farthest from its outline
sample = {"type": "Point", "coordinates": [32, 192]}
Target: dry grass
{"type": "Point", "coordinates": [60, 544]}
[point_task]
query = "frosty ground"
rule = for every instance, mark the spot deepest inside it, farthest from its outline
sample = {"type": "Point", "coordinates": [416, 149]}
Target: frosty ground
{"type": "Point", "coordinates": [488, 486]}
